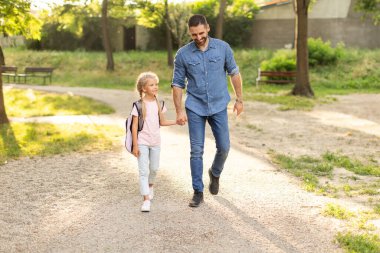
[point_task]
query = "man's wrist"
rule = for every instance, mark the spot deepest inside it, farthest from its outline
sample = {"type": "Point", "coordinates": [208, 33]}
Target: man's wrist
{"type": "Point", "coordinates": [239, 100]}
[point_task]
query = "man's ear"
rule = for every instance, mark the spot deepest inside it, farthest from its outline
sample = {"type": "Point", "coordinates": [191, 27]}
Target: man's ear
{"type": "Point", "coordinates": [208, 27]}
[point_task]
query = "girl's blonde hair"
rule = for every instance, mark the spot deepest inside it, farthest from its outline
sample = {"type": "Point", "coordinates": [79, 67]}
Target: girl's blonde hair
{"type": "Point", "coordinates": [140, 83]}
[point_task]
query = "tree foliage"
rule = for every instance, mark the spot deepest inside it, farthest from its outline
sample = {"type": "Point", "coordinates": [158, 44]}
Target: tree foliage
{"type": "Point", "coordinates": [71, 16]}
{"type": "Point", "coordinates": [370, 8]}
{"type": "Point", "coordinates": [15, 19]}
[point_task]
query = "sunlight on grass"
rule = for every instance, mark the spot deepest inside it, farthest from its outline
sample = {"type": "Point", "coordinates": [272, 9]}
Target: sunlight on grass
{"type": "Point", "coordinates": [337, 211]}
{"type": "Point", "coordinates": [305, 167]}
{"type": "Point", "coordinates": [357, 72]}
{"type": "Point", "coordinates": [310, 169]}
{"type": "Point", "coordinates": [29, 103]}
{"type": "Point", "coordinates": [365, 242]}
{"type": "Point", "coordinates": [352, 164]}
{"type": "Point", "coordinates": [31, 139]}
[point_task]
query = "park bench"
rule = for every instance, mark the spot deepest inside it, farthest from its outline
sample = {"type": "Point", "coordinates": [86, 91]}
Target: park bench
{"type": "Point", "coordinates": [9, 72]}
{"type": "Point", "coordinates": [39, 72]}
{"type": "Point", "coordinates": [278, 77]}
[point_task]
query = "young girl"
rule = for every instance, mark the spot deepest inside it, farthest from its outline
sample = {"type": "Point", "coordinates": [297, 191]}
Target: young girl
{"type": "Point", "coordinates": [147, 146]}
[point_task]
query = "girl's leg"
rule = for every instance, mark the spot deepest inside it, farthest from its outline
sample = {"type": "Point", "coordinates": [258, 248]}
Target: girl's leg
{"type": "Point", "coordinates": [154, 163]}
{"type": "Point", "coordinates": [143, 161]}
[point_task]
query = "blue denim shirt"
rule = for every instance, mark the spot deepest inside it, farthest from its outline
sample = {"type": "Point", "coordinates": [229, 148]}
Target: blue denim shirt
{"type": "Point", "coordinates": [204, 75]}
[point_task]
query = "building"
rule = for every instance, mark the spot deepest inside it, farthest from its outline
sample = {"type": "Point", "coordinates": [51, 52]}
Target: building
{"type": "Point", "coordinates": [333, 20]}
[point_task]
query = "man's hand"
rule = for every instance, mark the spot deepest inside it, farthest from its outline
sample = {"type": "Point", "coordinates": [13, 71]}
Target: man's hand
{"type": "Point", "coordinates": [238, 107]}
{"type": "Point", "coordinates": [181, 118]}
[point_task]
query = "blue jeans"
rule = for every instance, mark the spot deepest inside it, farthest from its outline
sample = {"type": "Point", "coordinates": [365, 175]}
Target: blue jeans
{"type": "Point", "coordinates": [149, 162]}
{"type": "Point", "coordinates": [219, 127]}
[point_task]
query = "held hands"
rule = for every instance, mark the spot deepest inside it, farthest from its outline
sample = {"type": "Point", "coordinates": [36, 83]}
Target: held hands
{"type": "Point", "coordinates": [238, 107]}
{"type": "Point", "coordinates": [181, 118]}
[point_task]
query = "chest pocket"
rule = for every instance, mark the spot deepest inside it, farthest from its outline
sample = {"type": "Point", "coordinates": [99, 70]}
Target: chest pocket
{"type": "Point", "coordinates": [216, 63]}
{"type": "Point", "coordinates": [194, 67]}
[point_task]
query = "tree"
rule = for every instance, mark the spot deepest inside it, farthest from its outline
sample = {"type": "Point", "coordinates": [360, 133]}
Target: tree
{"type": "Point", "coordinates": [302, 86]}
{"type": "Point", "coordinates": [220, 19]}
{"type": "Point", "coordinates": [106, 37]}
{"type": "Point", "coordinates": [156, 14]}
{"type": "Point", "coordinates": [236, 19]}
{"type": "Point", "coordinates": [370, 8]}
{"type": "Point", "coordinates": [15, 18]}
{"type": "Point", "coordinates": [169, 44]}
{"type": "Point", "coordinates": [177, 18]}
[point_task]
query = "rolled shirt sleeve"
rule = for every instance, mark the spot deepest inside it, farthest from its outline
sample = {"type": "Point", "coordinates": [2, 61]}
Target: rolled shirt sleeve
{"type": "Point", "coordinates": [179, 73]}
{"type": "Point", "coordinates": [230, 64]}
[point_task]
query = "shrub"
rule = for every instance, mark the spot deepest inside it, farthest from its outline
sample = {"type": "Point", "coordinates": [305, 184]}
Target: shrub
{"type": "Point", "coordinates": [282, 60]}
{"type": "Point", "coordinates": [321, 53]}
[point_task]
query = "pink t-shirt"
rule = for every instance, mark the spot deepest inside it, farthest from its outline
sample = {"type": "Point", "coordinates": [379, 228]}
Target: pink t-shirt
{"type": "Point", "coordinates": [150, 133]}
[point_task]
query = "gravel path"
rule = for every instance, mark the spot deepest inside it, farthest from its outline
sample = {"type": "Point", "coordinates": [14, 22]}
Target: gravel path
{"type": "Point", "coordinates": [89, 202]}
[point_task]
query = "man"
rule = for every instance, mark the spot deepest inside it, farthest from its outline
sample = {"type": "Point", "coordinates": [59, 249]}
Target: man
{"type": "Point", "coordinates": [201, 67]}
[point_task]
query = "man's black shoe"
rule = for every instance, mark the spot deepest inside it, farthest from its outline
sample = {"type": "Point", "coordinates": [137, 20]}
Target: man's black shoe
{"type": "Point", "coordinates": [197, 199]}
{"type": "Point", "coordinates": [214, 183]}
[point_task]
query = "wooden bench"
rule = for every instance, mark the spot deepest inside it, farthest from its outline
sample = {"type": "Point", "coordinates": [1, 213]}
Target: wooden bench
{"type": "Point", "coordinates": [9, 72]}
{"type": "Point", "coordinates": [281, 77]}
{"type": "Point", "coordinates": [39, 72]}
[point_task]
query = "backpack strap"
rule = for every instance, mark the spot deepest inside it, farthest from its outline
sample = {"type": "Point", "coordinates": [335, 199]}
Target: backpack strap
{"type": "Point", "coordinates": [162, 103]}
{"type": "Point", "coordinates": [138, 105]}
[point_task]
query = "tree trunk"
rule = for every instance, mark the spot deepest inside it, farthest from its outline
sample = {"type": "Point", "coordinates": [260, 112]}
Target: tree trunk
{"type": "Point", "coordinates": [169, 44]}
{"type": "Point", "coordinates": [2, 58]}
{"type": "Point", "coordinates": [295, 24]}
{"type": "Point", "coordinates": [3, 114]}
{"type": "Point", "coordinates": [220, 20]}
{"type": "Point", "coordinates": [302, 86]}
{"type": "Point", "coordinates": [106, 37]}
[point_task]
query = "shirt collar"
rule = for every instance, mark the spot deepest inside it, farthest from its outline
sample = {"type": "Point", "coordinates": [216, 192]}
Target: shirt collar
{"type": "Point", "coordinates": [211, 44]}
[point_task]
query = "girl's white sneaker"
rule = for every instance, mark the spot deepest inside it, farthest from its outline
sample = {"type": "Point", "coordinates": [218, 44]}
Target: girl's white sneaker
{"type": "Point", "coordinates": [145, 206]}
{"type": "Point", "coordinates": [151, 193]}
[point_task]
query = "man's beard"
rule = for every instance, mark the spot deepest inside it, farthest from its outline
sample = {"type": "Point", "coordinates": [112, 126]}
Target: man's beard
{"type": "Point", "coordinates": [201, 42]}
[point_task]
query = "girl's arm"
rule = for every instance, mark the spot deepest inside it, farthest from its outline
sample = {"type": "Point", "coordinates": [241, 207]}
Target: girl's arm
{"type": "Point", "coordinates": [135, 149]}
{"type": "Point", "coordinates": [166, 122]}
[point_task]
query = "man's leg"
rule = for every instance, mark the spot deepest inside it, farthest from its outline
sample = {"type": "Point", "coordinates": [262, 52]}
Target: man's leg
{"type": "Point", "coordinates": [219, 126]}
{"type": "Point", "coordinates": [197, 138]}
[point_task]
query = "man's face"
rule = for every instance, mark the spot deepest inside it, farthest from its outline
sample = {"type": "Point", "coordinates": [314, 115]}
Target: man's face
{"type": "Point", "coordinates": [199, 34]}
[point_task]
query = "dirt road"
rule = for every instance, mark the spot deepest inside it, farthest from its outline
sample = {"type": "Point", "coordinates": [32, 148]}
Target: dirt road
{"type": "Point", "coordinates": [90, 202]}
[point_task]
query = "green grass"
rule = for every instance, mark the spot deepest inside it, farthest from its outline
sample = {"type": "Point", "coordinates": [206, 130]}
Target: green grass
{"type": "Point", "coordinates": [353, 165]}
{"type": "Point", "coordinates": [358, 71]}
{"type": "Point", "coordinates": [31, 139]}
{"type": "Point", "coordinates": [29, 103]}
{"type": "Point", "coordinates": [359, 243]}
{"type": "Point", "coordinates": [310, 169]}
{"type": "Point", "coordinates": [304, 167]}
{"type": "Point", "coordinates": [337, 211]}
{"type": "Point", "coordinates": [376, 209]}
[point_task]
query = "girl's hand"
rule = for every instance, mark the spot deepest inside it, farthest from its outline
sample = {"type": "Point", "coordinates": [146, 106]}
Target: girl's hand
{"type": "Point", "coordinates": [136, 151]}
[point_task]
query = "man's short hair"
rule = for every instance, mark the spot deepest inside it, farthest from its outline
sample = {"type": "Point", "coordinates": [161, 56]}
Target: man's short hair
{"type": "Point", "coordinates": [196, 20]}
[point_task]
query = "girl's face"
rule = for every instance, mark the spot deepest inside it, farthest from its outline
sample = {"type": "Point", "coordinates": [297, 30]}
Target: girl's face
{"type": "Point", "coordinates": [151, 87]}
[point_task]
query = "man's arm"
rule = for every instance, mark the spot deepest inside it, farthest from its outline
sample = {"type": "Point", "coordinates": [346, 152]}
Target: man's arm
{"type": "Point", "coordinates": [237, 84]}
{"type": "Point", "coordinates": [177, 99]}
